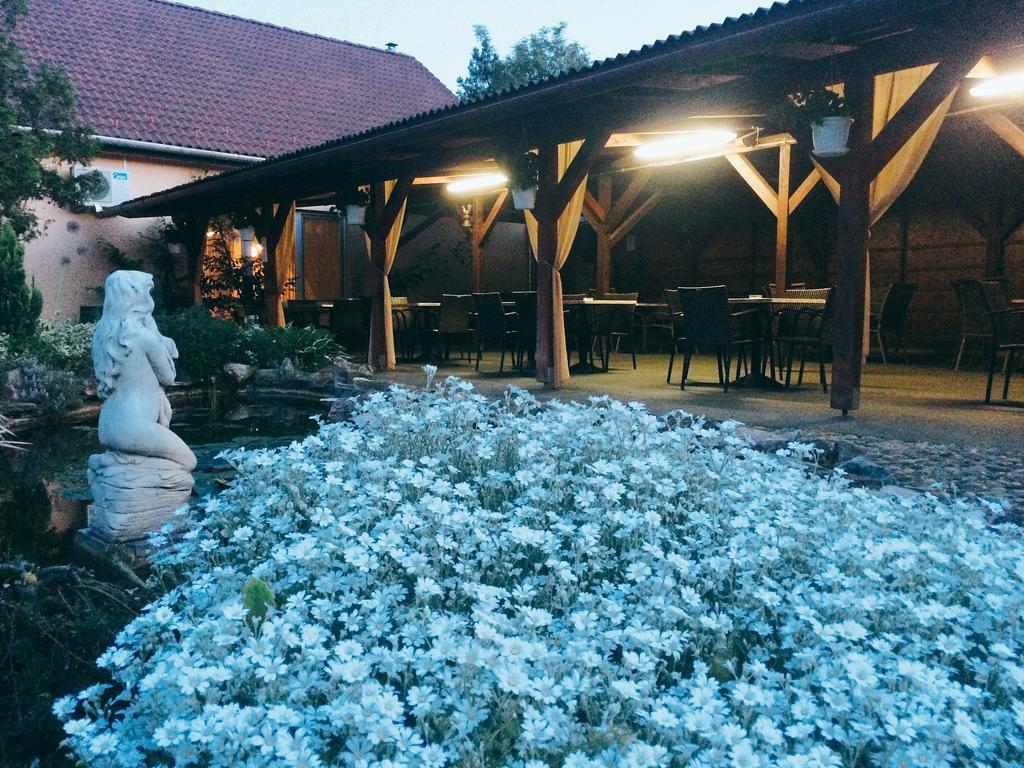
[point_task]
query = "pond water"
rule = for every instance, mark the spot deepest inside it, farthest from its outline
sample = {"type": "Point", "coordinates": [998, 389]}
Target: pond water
{"type": "Point", "coordinates": [44, 492]}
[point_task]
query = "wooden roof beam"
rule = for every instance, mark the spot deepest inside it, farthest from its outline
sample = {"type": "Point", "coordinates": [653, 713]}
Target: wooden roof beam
{"type": "Point", "coordinates": [627, 225]}
{"type": "Point", "coordinates": [1004, 128]}
{"type": "Point", "coordinates": [755, 181]}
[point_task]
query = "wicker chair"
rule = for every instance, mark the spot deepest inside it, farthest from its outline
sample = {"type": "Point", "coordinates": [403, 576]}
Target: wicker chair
{"type": "Point", "coordinates": [890, 321]}
{"type": "Point", "coordinates": [492, 323]}
{"type": "Point", "coordinates": [711, 325]}
{"type": "Point", "coordinates": [801, 331]}
{"type": "Point", "coordinates": [350, 322]}
{"type": "Point", "coordinates": [526, 312]}
{"type": "Point", "coordinates": [974, 322]}
{"type": "Point", "coordinates": [614, 323]}
{"type": "Point", "coordinates": [1007, 325]}
{"type": "Point", "coordinates": [454, 323]}
{"type": "Point", "coordinates": [303, 313]}
{"type": "Point", "coordinates": [676, 328]}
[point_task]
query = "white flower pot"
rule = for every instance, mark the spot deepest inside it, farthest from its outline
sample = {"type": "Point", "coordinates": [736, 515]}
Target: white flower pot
{"type": "Point", "coordinates": [355, 214]}
{"type": "Point", "coordinates": [830, 136]}
{"type": "Point", "coordinates": [524, 199]}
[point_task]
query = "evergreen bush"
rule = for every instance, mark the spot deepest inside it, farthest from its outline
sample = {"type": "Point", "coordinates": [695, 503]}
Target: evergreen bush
{"type": "Point", "coordinates": [20, 304]}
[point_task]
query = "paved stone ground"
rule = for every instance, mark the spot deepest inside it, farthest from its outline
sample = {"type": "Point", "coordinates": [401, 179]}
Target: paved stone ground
{"type": "Point", "coordinates": [955, 470]}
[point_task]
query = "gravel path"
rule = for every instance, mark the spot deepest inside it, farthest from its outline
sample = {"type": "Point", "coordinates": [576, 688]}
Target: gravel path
{"type": "Point", "coordinates": [957, 470]}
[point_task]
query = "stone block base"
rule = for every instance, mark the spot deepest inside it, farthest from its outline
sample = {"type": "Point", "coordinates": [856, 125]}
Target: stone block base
{"type": "Point", "coordinates": [134, 495]}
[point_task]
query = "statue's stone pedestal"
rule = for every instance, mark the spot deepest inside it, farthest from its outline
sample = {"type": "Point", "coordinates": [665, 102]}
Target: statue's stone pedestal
{"type": "Point", "coordinates": [133, 495]}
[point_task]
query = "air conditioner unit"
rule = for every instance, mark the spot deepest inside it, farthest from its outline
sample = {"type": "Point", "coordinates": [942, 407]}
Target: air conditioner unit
{"type": "Point", "coordinates": [114, 187]}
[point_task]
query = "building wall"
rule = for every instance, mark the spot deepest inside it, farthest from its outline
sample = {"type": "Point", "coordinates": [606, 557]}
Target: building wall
{"type": "Point", "coordinates": [438, 261]}
{"type": "Point", "coordinates": [937, 246]}
{"type": "Point", "coordinates": [66, 260]}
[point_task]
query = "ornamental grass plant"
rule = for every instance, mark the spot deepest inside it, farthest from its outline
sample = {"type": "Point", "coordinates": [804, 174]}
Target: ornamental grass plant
{"type": "Point", "coordinates": [449, 580]}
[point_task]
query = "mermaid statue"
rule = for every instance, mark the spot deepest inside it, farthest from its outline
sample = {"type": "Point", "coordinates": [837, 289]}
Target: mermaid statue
{"type": "Point", "coordinates": [145, 474]}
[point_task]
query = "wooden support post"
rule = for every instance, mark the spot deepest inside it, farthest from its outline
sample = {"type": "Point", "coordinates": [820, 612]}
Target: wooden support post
{"type": "Point", "coordinates": [612, 220]}
{"type": "Point", "coordinates": [279, 240]}
{"type": "Point", "coordinates": [480, 228]}
{"type": "Point", "coordinates": [603, 267]}
{"type": "Point", "coordinates": [996, 226]}
{"type": "Point", "coordinates": [778, 201]}
{"type": "Point", "coordinates": [376, 356]}
{"type": "Point", "coordinates": [851, 254]}
{"type": "Point", "coordinates": [553, 195]}
{"type": "Point", "coordinates": [476, 218]}
{"type": "Point", "coordinates": [193, 231]}
{"type": "Point", "coordinates": [547, 244]}
{"type": "Point", "coordinates": [782, 221]}
{"type": "Point", "coordinates": [381, 217]}
{"type": "Point", "coordinates": [904, 242]}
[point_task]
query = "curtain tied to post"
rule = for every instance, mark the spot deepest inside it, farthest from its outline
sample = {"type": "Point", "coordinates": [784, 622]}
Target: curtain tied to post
{"type": "Point", "coordinates": [568, 224]}
{"type": "Point", "coordinates": [891, 92]}
{"type": "Point", "coordinates": [381, 354]}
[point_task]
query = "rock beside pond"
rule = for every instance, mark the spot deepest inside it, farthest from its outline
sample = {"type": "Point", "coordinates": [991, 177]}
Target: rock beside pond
{"type": "Point", "coordinates": [863, 467]}
{"type": "Point", "coordinates": [24, 383]}
{"type": "Point", "coordinates": [134, 495]}
{"type": "Point", "coordinates": [239, 373]}
{"type": "Point", "coordinates": [765, 440]}
{"type": "Point", "coordinates": [345, 371]}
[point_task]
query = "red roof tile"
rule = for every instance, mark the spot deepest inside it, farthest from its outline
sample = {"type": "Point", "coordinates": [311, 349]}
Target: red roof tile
{"type": "Point", "coordinates": [158, 71]}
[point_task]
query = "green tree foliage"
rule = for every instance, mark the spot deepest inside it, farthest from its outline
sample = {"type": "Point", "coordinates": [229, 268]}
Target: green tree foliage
{"type": "Point", "coordinates": [40, 133]}
{"type": "Point", "coordinates": [544, 53]}
{"type": "Point", "coordinates": [20, 304]}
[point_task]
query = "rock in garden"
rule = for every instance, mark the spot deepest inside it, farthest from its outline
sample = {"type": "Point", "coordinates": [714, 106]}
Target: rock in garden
{"type": "Point", "coordinates": [24, 383]}
{"type": "Point", "coordinates": [134, 495]}
{"type": "Point", "coordinates": [863, 467]}
{"type": "Point", "coordinates": [765, 440]}
{"type": "Point", "coordinates": [369, 385]}
{"type": "Point", "coordinates": [344, 371]}
{"type": "Point", "coordinates": [239, 373]}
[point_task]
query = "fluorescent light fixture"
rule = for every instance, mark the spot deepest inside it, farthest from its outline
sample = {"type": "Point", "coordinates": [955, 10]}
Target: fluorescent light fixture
{"type": "Point", "coordinates": [477, 183]}
{"type": "Point", "coordinates": [1004, 85]}
{"type": "Point", "coordinates": [685, 144]}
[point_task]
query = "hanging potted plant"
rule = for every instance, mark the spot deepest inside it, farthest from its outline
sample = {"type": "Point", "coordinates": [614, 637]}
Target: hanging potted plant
{"type": "Point", "coordinates": [352, 202]}
{"type": "Point", "coordinates": [522, 180]}
{"type": "Point", "coordinates": [173, 236]}
{"type": "Point", "coordinates": [830, 122]}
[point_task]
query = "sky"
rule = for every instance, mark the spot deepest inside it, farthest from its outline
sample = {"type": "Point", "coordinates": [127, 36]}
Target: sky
{"type": "Point", "coordinates": [440, 32]}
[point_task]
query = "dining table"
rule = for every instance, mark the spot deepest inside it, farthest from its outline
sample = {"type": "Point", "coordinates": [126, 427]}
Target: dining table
{"type": "Point", "coordinates": [761, 332]}
{"type": "Point", "coordinates": [584, 310]}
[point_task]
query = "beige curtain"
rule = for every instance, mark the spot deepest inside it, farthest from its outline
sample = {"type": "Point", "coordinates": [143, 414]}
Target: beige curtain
{"type": "Point", "coordinates": [568, 224]}
{"type": "Point", "coordinates": [891, 92]}
{"type": "Point", "coordinates": [381, 355]}
{"type": "Point", "coordinates": [281, 270]}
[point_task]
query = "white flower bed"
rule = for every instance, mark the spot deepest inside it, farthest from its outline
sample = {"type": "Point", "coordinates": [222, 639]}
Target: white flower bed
{"type": "Point", "coordinates": [468, 583]}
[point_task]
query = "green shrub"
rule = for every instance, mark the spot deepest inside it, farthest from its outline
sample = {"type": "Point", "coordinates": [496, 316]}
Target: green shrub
{"type": "Point", "coordinates": [205, 343]}
{"type": "Point", "coordinates": [52, 390]}
{"type": "Point", "coordinates": [309, 349]}
{"type": "Point", "coordinates": [54, 620]}
{"type": "Point", "coordinates": [20, 304]}
{"type": "Point", "coordinates": [65, 346]}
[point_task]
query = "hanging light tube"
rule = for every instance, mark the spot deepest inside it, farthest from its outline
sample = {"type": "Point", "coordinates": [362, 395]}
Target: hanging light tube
{"type": "Point", "coordinates": [684, 144]}
{"type": "Point", "coordinates": [1003, 85]}
{"type": "Point", "coordinates": [478, 183]}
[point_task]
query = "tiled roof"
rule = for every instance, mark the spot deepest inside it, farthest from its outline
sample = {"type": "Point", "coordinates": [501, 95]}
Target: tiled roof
{"type": "Point", "coordinates": [162, 72]}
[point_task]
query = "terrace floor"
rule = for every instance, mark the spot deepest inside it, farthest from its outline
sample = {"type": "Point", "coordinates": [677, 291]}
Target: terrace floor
{"type": "Point", "coordinates": [923, 421]}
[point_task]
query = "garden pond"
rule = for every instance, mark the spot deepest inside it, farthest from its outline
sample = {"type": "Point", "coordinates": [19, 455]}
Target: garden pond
{"type": "Point", "coordinates": [44, 494]}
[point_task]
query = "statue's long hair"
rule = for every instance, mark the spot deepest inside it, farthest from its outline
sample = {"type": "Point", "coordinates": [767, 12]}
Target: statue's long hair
{"type": "Point", "coordinates": [124, 293]}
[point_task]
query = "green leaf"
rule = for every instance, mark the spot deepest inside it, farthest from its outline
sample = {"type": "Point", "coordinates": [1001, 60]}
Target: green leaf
{"type": "Point", "coordinates": [257, 597]}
